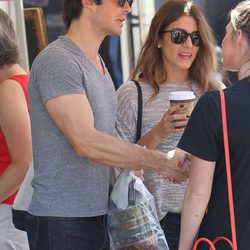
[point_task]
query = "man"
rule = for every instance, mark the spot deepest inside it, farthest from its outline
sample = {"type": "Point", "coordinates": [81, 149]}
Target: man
{"type": "Point", "coordinates": [73, 111]}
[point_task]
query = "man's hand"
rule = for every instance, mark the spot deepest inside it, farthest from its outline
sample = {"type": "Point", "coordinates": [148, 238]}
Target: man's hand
{"type": "Point", "coordinates": [178, 166]}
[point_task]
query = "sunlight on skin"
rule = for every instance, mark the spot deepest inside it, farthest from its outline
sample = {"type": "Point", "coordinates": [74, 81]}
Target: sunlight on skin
{"type": "Point", "coordinates": [170, 154]}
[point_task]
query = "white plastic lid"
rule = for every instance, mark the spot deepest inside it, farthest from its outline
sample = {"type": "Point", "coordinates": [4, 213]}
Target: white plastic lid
{"type": "Point", "coordinates": [181, 95]}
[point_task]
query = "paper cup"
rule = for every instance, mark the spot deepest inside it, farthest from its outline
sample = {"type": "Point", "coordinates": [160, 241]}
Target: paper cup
{"type": "Point", "coordinates": [183, 97]}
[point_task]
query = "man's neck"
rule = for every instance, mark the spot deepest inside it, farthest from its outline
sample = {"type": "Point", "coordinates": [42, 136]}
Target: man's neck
{"type": "Point", "coordinates": [85, 37]}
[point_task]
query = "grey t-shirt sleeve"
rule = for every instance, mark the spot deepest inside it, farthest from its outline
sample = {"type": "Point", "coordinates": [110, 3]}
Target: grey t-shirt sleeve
{"type": "Point", "coordinates": [55, 77]}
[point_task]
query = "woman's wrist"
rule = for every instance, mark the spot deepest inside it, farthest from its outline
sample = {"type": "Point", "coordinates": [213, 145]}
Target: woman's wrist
{"type": "Point", "coordinates": [160, 132]}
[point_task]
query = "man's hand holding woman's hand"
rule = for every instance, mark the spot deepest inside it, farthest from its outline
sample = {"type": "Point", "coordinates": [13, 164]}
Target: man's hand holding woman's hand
{"type": "Point", "coordinates": [177, 169]}
{"type": "Point", "coordinates": [178, 166]}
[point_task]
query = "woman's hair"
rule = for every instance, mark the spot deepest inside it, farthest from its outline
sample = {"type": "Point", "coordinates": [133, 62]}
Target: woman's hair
{"type": "Point", "coordinates": [150, 66]}
{"type": "Point", "coordinates": [240, 18]}
{"type": "Point", "coordinates": [9, 53]}
{"type": "Point", "coordinates": [72, 9]}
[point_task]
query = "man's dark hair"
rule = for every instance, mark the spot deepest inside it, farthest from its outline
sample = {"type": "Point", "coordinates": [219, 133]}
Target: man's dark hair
{"type": "Point", "coordinates": [72, 10]}
{"type": "Point", "coordinates": [9, 53]}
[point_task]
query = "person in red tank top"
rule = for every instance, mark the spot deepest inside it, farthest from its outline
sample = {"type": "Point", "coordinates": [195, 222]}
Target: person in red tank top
{"type": "Point", "coordinates": [15, 133]}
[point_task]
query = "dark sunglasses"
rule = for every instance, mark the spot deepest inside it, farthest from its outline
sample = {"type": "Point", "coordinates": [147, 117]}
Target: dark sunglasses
{"type": "Point", "coordinates": [180, 36]}
{"type": "Point", "coordinates": [122, 2]}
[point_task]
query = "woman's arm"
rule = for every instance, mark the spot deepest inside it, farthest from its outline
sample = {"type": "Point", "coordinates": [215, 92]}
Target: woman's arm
{"type": "Point", "coordinates": [162, 130]}
{"type": "Point", "coordinates": [15, 124]}
{"type": "Point", "coordinates": [169, 124]}
{"type": "Point", "coordinates": [196, 199]}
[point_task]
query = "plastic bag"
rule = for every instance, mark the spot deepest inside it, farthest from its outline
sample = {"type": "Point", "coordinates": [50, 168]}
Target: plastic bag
{"type": "Point", "coordinates": [132, 218]}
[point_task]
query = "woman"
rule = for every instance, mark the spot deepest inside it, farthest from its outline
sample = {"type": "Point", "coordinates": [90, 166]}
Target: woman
{"type": "Point", "coordinates": [15, 135]}
{"type": "Point", "coordinates": [179, 54]}
{"type": "Point", "coordinates": [203, 138]}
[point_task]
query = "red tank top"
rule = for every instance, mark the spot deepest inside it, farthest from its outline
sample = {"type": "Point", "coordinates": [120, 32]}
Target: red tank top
{"type": "Point", "coordinates": [4, 153]}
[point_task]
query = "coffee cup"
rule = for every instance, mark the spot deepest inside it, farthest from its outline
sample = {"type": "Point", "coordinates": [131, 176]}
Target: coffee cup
{"type": "Point", "coordinates": [182, 97]}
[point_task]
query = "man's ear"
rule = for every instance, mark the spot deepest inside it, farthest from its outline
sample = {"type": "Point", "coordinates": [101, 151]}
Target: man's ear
{"type": "Point", "coordinates": [86, 3]}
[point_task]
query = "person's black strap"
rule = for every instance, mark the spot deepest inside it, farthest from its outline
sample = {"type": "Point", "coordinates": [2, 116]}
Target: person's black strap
{"type": "Point", "coordinates": [132, 192]}
{"type": "Point", "coordinates": [139, 113]}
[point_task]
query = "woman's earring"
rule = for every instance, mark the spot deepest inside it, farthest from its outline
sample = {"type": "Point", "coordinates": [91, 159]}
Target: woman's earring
{"type": "Point", "coordinates": [159, 46]}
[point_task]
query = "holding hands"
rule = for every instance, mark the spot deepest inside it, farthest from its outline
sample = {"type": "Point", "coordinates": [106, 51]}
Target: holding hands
{"type": "Point", "coordinates": [174, 120]}
{"type": "Point", "coordinates": [178, 162]}
{"type": "Point", "coordinates": [177, 169]}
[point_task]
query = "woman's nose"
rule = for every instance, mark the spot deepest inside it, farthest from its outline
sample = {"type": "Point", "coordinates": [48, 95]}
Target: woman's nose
{"type": "Point", "coordinates": [188, 42]}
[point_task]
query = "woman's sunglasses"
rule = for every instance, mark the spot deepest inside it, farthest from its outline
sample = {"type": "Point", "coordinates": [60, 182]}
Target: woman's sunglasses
{"type": "Point", "coordinates": [122, 2]}
{"type": "Point", "coordinates": [180, 36]}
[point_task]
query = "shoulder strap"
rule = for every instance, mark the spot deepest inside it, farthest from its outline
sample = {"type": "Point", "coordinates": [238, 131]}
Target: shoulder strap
{"type": "Point", "coordinates": [139, 113]}
{"type": "Point", "coordinates": [228, 169]}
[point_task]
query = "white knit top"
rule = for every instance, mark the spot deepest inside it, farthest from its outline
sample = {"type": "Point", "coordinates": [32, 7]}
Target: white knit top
{"type": "Point", "coordinates": [168, 196]}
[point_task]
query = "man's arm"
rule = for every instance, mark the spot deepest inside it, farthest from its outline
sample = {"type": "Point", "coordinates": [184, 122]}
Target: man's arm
{"type": "Point", "coordinates": [196, 199]}
{"type": "Point", "coordinates": [73, 115]}
{"type": "Point", "coordinates": [15, 124]}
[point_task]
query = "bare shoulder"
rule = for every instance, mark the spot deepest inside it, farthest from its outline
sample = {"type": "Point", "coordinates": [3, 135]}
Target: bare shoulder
{"type": "Point", "coordinates": [10, 86]}
{"type": "Point", "coordinates": [11, 95]}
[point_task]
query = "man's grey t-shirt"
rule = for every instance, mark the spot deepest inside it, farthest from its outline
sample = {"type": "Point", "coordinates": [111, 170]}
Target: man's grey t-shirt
{"type": "Point", "coordinates": [64, 183]}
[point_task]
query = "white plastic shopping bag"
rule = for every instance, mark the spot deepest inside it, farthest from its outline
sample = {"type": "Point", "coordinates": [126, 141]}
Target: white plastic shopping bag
{"type": "Point", "coordinates": [132, 218]}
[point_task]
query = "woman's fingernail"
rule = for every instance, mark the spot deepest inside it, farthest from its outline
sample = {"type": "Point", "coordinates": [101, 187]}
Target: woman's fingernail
{"type": "Point", "coordinates": [179, 164]}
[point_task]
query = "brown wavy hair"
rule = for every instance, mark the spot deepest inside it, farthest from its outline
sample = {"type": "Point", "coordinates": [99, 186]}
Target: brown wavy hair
{"type": "Point", "coordinates": [150, 66]}
{"type": "Point", "coordinates": [9, 53]}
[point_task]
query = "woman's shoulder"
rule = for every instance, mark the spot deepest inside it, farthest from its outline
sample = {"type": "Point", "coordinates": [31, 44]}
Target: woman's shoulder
{"type": "Point", "coordinates": [10, 90]}
{"type": "Point", "coordinates": [214, 92]}
{"type": "Point", "coordinates": [129, 89]}
{"type": "Point", "coordinates": [9, 84]}
{"type": "Point", "coordinates": [127, 95]}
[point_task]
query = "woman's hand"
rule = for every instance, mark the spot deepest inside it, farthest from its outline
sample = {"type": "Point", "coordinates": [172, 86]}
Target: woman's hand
{"type": "Point", "coordinates": [172, 122]}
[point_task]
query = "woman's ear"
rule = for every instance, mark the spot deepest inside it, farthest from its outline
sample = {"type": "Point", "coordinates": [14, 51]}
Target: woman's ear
{"type": "Point", "coordinates": [240, 36]}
